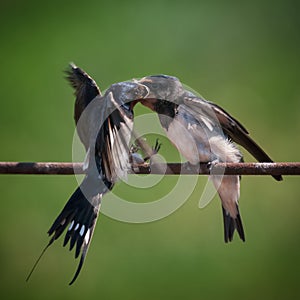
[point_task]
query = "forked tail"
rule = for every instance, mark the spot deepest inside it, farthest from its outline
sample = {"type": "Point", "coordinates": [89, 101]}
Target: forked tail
{"type": "Point", "coordinates": [80, 215]}
{"type": "Point", "coordinates": [231, 224]}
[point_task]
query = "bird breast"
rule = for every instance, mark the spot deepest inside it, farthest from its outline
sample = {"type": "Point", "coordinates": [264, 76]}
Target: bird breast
{"type": "Point", "coordinates": [198, 142]}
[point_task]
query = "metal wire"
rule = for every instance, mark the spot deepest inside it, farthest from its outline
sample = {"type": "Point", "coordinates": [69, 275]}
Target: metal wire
{"type": "Point", "coordinates": [63, 168]}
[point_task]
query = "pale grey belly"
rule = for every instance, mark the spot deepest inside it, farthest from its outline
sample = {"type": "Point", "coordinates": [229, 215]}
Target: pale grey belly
{"type": "Point", "coordinates": [199, 144]}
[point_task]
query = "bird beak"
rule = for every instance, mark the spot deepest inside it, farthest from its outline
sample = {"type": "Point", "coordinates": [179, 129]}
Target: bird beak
{"type": "Point", "coordinates": [146, 91]}
{"type": "Point", "coordinates": [143, 81]}
{"type": "Point", "coordinates": [149, 99]}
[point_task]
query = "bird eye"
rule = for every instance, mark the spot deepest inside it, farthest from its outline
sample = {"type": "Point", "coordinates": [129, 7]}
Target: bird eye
{"type": "Point", "coordinates": [155, 85]}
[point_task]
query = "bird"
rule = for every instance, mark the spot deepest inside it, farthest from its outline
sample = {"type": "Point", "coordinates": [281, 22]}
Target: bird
{"type": "Point", "coordinates": [104, 124]}
{"type": "Point", "coordinates": [202, 131]}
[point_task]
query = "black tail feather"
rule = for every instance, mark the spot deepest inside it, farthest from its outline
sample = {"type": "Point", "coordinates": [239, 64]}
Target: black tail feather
{"type": "Point", "coordinates": [82, 215]}
{"type": "Point", "coordinates": [39, 258]}
{"type": "Point", "coordinates": [85, 248]}
{"type": "Point", "coordinates": [232, 224]}
{"type": "Point", "coordinates": [249, 144]}
{"type": "Point", "coordinates": [239, 134]}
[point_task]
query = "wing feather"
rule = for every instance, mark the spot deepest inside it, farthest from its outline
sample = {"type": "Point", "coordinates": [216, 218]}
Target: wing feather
{"type": "Point", "coordinates": [230, 126]}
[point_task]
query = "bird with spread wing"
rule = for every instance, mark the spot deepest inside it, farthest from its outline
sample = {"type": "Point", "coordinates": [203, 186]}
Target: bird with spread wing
{"type": "Point", "coordinates": [104, 125]}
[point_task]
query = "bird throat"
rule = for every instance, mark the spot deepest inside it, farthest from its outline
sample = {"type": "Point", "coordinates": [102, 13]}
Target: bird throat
{"type": "Point", "coordinates": [166, 112]}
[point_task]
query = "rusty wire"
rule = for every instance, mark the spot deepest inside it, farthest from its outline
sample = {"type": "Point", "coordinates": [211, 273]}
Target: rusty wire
{"type": "Point", "coordinates": [63, 168]}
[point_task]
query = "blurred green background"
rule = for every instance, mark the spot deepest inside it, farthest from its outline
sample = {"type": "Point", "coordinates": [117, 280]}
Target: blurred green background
{"type": "Point", "coordinates": [244, 55]}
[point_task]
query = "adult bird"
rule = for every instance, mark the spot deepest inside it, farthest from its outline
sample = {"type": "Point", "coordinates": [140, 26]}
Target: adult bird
{"type": "Point", "coordinates": [104, 125]}
{"type": "Point", "coordinates": [204, 132]}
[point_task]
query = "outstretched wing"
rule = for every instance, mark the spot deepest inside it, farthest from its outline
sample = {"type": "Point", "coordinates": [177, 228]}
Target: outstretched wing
{"type": "Point", "coordinates": [105, 127]}
{"type": "Point", "coordinates": [115, 115]}
{"type": "Point", "coordinates": [86, 90]}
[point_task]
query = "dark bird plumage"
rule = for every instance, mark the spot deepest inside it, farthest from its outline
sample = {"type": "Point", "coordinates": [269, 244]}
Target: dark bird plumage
{"type": "Point", "coordinates": [104, 125]}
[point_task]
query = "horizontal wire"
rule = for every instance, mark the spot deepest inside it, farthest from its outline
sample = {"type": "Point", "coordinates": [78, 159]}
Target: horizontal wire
{"type": "Point", "coordinates": [64, 168]}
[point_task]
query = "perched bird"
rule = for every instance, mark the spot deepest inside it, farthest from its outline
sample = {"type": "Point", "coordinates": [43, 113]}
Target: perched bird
{"type": "Point", "coordinates": [203, 132]}
{"type": "Point", "coordinates": [104, 125]}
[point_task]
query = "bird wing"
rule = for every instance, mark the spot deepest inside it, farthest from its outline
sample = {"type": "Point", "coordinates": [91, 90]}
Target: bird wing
{"type": "Point", "coordinates": [108, 122]}
{"type": "Point", "coordinates": [112, 143]}
{"type": "Point", "coordinates": [86, 90]}
{"type": "Point", "coordinates": [211, 112]}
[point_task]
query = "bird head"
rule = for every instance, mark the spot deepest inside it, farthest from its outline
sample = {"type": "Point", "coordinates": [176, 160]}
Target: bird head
{"type": "Point", "coordinates": [163, 87]}
{"type": "Point", "coordinates": [127, 91]}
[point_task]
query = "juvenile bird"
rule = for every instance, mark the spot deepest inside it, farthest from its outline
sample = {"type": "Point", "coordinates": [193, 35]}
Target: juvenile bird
{"type": "Point", "coordinates": [203, 132]}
